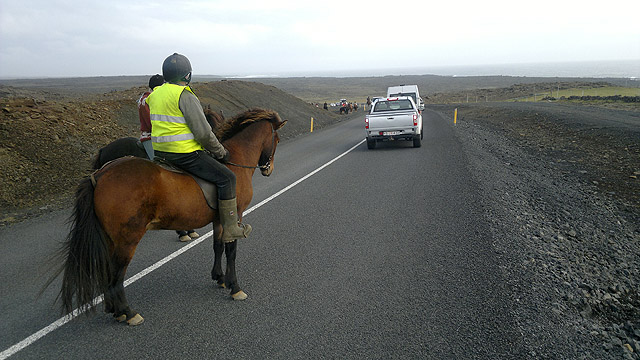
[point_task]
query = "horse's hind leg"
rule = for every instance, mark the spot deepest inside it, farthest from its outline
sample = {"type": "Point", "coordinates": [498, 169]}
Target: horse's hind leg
{"type": "Point", "coordinates": [115, 298]}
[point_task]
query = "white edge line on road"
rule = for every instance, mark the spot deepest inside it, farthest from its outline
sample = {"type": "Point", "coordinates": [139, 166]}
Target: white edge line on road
{"type": "Point", "coordinates": [65, 319]}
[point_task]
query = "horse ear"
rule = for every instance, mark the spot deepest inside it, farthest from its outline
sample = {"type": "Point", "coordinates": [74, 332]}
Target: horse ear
{"type": "Point", "coordinates": [280, 124]}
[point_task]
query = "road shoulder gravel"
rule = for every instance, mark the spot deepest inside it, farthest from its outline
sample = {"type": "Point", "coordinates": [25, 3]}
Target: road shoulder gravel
{"type": "Point", "coordinates": [569, 247]}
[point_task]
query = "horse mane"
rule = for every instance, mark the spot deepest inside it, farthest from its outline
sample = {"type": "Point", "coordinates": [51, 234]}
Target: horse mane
{"type": "Point", "coordinates": [239, 122]}
{"type": "Point", "coordinates": [214, 119]}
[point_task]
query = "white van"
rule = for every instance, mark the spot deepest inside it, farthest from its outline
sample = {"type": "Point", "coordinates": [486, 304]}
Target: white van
{"type": "Point", "coordinates": [406, 90]}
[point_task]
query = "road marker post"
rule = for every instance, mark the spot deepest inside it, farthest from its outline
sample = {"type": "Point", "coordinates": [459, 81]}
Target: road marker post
{"type": "Point", "coordinates": [455, 116]}
{"type": "Point", "coordinates": [311, 124]}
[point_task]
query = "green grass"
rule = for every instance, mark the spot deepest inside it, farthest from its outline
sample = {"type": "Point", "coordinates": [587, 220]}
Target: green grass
{"type": "Point", "coordinates": [597, 91]}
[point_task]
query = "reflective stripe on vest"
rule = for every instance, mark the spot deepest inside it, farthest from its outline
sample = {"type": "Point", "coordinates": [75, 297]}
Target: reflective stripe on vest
{"type": "Point", "coordinates": [169, 130]}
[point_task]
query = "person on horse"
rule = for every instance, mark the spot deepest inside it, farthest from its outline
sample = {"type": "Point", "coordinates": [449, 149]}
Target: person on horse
{"type": "Point", "coordinates": [145, 138]}
{"type": "Point", "coordinates": [145, 117]}
{"type": "Point", "coordinates": [181, 135]}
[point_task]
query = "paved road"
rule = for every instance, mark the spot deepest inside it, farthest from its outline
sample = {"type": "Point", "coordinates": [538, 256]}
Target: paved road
{"type": "Point", "coordinates": [384, 253]}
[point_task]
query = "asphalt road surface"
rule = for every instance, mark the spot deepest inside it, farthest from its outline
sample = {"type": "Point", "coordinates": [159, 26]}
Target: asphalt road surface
{"type": "Point", "coordinates": [383, 253]}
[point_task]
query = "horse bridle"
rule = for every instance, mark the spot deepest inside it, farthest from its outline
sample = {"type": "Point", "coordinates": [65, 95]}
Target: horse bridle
{"type": "Point", "coordinates": [267, 165]}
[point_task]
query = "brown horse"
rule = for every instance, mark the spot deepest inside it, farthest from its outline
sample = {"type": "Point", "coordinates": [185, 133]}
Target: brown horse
{"type": "Point", "coordinates": [120, 202]}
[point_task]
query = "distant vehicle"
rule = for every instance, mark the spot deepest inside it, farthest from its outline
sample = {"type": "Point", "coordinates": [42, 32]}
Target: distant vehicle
{"type": "Point", "coordinates": [344, 106]}
{"type": "Point", "coordinates": [396, 118]}
{"type": "Point", "coordinates": [373, 101]}
{"type": "Point", "coordinates": [407, 90]}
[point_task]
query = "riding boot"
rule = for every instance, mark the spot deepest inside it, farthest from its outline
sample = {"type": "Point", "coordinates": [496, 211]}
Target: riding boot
{"type": "Point", "coordinates": [231, 228]}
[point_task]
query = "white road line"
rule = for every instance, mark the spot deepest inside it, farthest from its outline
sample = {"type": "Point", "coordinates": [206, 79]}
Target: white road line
{"type": "Point", "coordinates": [65, 319]}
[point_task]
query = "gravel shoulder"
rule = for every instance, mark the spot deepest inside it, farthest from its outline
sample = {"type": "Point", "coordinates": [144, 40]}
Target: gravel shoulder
{"type": "Point", "coordinates": [561, 190]}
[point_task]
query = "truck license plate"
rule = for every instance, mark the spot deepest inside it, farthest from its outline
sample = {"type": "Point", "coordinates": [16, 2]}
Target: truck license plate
{"type": "Point", "coordinates": [390, 133]}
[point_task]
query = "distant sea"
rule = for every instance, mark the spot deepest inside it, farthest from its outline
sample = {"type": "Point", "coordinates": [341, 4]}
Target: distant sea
{"type": "Point", "coordinates": [584, 69]}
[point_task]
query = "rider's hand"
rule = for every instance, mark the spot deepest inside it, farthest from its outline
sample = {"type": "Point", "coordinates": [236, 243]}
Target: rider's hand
{"type": "Point", "coordinates": [225, 158]}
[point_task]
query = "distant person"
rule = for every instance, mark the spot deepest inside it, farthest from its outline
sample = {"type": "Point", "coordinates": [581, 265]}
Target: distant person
{"type": "Point", "coordinates": [145, 137]}
{"type": "Point", "coordinates": [182, 136]}
{"type": "Point", "coordinates": [326, 106]}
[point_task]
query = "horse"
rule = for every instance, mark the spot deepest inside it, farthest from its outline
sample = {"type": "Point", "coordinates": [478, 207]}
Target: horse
{"type": "Point", "coordinates": [130, 146]}
{"type": "Point", "coordinates": [117, 204]}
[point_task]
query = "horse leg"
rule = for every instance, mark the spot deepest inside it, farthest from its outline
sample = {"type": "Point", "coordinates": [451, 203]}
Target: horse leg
{"type": "Point", "coordinates": [115, 298]}
{"type": "Point", "coordinates": [231, 280]}
{"type": "Point", "coordinates": [218, 249]}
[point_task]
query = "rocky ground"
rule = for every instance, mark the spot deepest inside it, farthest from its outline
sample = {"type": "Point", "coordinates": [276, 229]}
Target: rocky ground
{"type": "Point", "coordinates": [560, 184]}
{"type": "Point", "coordinates": [561, 189]}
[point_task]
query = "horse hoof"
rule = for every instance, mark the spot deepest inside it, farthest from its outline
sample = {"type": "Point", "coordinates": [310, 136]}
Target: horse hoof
{"type": "Point", "coordinates": [193, 235]}
{"type": "Point", "coordinates": [221, 285]}
{"type": "Point", "coordinates": [136, 320]}
{"type": "Point", "coordinates": [121, 318]}
{"type": "Point", "coordinates": [184, 238]}
{"type": "Point", "coordinates": [240, 295]}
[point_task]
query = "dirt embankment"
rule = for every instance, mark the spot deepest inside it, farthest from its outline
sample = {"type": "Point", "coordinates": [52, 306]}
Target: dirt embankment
{"type": "Point", "coordinates": [48, 139]}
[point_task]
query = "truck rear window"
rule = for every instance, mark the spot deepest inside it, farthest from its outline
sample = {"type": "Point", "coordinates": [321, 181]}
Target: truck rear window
{"type": "Point", "coordinates": [413, 95]}
{"type": "Point", "coordinates": [383, 105]}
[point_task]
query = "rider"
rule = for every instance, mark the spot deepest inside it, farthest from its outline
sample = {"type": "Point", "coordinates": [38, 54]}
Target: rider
{"type": "Point", "coordinates": [145, 138]}
{"type": "Point", "coordinates": [182, 135]}
{"type": "Point", "coordinates": [143, 114]}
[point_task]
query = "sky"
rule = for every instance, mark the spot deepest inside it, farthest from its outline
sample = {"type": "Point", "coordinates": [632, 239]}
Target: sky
{"type": "Point", "coordinates": [73, 38]}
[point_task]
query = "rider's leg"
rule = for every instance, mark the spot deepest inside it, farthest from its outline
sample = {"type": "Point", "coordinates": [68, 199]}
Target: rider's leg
{"type": "Point", "coordinates": [205, 166]}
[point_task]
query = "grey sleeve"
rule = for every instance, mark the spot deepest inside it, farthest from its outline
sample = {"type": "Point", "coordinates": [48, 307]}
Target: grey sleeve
{"type": "Point", "coordinates": [194, 116]}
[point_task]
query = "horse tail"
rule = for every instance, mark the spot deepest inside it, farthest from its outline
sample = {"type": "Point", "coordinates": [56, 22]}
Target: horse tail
{"type": "Point", "coordinates": [87, 266]}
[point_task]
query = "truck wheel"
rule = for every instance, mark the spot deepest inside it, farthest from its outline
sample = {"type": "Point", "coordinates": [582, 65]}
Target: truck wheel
{"type": "Point", "coordinates": [417, 142]}
{"type": "Point", "coordinates": [371, 144]}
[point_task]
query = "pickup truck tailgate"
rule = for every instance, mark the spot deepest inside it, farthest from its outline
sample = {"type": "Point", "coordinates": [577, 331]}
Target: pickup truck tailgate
{"type": "Point", "coordinates": [391, 121]}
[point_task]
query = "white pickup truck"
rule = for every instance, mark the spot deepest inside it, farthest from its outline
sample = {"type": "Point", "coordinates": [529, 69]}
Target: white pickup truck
{"type": "Point", "coordinates": [396, 118]}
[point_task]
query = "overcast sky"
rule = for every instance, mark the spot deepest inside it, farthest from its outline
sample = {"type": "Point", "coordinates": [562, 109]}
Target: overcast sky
{"type": "Point", "coordinates": [42, 38]}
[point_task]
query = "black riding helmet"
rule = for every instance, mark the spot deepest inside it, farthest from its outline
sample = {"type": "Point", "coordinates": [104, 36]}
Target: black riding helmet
{"type": "Point", "coordinates": [156, 80]}
{"type": "Point", "coordinates": [176, 68]}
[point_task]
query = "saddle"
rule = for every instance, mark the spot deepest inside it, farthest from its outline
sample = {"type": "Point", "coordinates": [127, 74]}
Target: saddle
{"type": "Point", "coordinates": [209, 189]}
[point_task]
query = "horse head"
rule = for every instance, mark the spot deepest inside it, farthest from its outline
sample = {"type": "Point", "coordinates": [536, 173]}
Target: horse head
{"type": "Point", "coordinates": [264, 136]}
{"type": "Point", "coordinates": [269, 147]}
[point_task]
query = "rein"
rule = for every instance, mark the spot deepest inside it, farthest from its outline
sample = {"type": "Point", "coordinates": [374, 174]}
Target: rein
{"type": "Point", "coordinates": [268, 164]}
{"type": "Point", "coordinates": [261, 167]}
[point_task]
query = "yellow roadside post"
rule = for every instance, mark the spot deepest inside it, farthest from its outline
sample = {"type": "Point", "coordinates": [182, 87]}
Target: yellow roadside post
{"type": "Point", "coordinates": [455, 116]}
{"type": "Point", "coordinates": [311, 124]}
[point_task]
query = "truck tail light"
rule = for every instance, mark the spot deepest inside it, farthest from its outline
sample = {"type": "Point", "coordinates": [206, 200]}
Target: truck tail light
{"type": "Point", "coordinates": [366, 122]}
{"type": "Point", "coordinates": [415, 119]}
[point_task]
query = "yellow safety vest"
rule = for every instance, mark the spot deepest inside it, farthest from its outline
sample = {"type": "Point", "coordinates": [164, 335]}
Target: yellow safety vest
{"type": "Point", "coordinates": [169, 130]}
